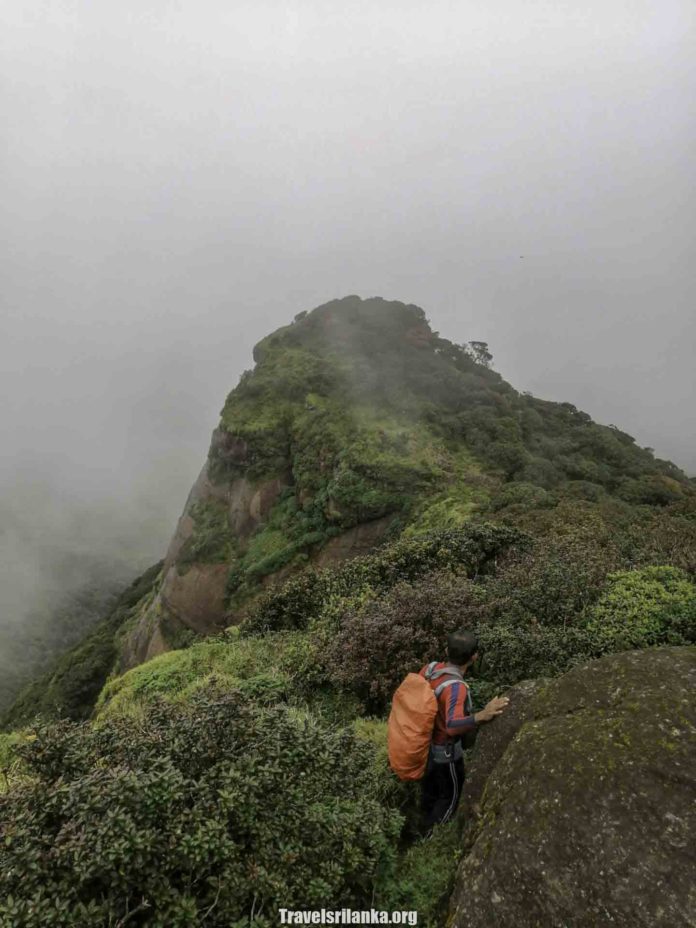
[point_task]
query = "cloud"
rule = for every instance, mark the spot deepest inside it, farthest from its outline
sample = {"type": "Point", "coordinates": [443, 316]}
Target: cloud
{"type": "Point", "coordinates": [181, 178]}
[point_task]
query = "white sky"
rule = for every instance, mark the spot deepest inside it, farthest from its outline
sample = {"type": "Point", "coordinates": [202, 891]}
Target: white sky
{"type": "Point", "coordinates": [179, 178]}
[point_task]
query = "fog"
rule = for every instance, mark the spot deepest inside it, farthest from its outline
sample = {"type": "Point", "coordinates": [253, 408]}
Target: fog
{"type": "Point", "coordinates": [179, 178]}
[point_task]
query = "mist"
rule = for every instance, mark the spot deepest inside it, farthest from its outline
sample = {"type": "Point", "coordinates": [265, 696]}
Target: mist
{"type": "Point", "coordinates": [178, 179]}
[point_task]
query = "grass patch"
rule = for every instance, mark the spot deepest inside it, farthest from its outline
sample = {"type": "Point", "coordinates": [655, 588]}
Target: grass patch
{"type": "Point", "coordinates": [11, 768]}
{"type": "Point", "coordinates": [424, 878]}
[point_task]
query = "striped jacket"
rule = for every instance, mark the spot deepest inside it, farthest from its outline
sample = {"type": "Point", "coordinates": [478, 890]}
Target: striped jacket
{"type": "Point", "coordinates": [455, 712]}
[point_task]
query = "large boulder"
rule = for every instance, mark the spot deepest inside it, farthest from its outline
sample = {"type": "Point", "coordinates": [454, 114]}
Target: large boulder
{"type": "Point", "coordinates": [589, 815]}
{"type": "Point", "coordinates": [493, 741]}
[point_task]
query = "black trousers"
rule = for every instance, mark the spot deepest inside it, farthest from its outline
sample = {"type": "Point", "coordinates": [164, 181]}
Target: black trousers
{"type": "Point", "coordinates": [441, 790]}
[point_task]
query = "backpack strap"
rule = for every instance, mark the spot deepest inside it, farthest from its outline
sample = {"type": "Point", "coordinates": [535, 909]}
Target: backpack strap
{"type": "Point", "coordinates": [445, 683]}
{"type": "Point", "coordinates": [451, 671]}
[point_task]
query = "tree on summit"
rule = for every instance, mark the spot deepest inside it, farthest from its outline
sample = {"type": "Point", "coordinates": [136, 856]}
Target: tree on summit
{"type": "Point", "coordinates": [480, 353]}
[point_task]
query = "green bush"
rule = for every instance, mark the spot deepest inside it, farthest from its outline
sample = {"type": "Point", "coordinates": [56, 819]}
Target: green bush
{"type": "Point", "coordinates": [555, 579]}
{"type": "Point", "coordinates": [529, 613]}
{"type": "Point", "coordinates": [394, 634]}
{"type": "Point", "coordinates": [213, 815]}
{"type": "Point", "coordinates": [377, 645]}
{"type": "Point", "coordinates": [273, 667]}
{"type": "Point", "coordinates": [649, 606]}
{"type": "Point", "coordinates": [315, 594]}
{"type": "Point", "coordinates": [11, 767]}
{"type": "Point", "coordinates": [510, 654]}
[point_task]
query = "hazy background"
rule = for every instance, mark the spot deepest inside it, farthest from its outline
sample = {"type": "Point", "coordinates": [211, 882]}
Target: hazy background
{"type": "Point", "coordinates": [178, 178]}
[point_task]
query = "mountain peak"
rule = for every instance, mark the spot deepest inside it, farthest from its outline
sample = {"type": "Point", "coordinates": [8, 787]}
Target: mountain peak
{"type": "Point", "coordinates": [359, 423]}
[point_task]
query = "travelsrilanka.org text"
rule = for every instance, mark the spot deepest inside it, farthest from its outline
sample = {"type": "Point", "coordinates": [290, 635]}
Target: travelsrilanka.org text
{"type": "Point", "coordinates": [347, 917]}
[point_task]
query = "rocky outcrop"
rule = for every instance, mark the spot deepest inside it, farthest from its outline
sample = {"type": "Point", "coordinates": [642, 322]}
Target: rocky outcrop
{"type": "Point", "coordinates": [202, 491]}
{"type": "Point", "coordinates": [588, 816]}
{"type": "Point", "coordinates": [194, 598]}
{"type": "Point", "coordinates": [228, 449]}
{"type": "Point", "coordinates": [493, 741]}
{"type": "Point", "coordinates": [197, 597]}
{"type": "Point", "coordinates": [143, 641]}
{"type": "Point", "coordinates": [356, 541]}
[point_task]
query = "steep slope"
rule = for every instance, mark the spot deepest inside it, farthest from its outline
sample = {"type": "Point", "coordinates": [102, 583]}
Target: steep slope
{"type": "Point", "coordinates": [71, 684]}
{"type": "Point", "coordinates": [359, 422]}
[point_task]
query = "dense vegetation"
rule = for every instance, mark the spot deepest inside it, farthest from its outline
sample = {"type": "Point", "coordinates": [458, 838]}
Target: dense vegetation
{"type": "Point", "coordinates": [366, 412]}
{"type": "Point", "coordinates": [248, 771]}
{"type": "Point", "coordinates": [205, 813]}
{"type": "Point", "coordinates": [351, 359]}
{"type": "Point", "coordinates": [164, 813]}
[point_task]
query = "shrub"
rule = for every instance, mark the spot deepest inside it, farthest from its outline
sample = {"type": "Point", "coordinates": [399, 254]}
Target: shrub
{"type": "Point", "coordinates": [314, 594]}
{"type": "Point", "coordinates": [555, 579]}
{"type": "Point", "coordinates": [666, 536]}
{"type": "Point", "coordinates": [379, 644]}
{"type": "Point", "coordinates": [214, 815]}
{"type": "Point", "coordinates": [526, 495]}
{"type": "Point", "coordinates": [283, 666]}
{"type": "Point", "coordinates": [649, 606]}
{"type": "Point", "coordinates": [530, 615]}
{"type": "Point", "coordinates": [651, 490]}
{"type": "Point", "coordinates": [376, 646]}
{"type": "Point", "coordinates": [11, 768]}
{"type": "Point", "coordinates": [510, 654]}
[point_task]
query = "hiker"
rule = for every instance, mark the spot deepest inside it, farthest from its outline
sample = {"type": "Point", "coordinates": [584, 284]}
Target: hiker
{"type": "Point", "coordinates": [455, 723]}
{"type": "Point", "coordinates": [431, 716]}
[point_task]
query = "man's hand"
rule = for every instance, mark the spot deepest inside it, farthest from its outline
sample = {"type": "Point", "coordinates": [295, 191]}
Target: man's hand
{"type": "Point", "coordinates": [497, 705]}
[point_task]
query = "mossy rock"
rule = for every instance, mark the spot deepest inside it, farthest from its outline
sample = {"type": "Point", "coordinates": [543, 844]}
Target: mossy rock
{"type": "Point", "coordinates": [588, 819]}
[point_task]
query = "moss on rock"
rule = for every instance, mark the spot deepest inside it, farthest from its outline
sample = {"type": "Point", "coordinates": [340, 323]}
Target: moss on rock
{"type": "Point", "coordinates": [588, 817]}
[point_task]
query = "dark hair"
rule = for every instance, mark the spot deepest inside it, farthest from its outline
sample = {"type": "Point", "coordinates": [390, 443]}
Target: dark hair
{"type": "Point", "coordinates": [461, 646]}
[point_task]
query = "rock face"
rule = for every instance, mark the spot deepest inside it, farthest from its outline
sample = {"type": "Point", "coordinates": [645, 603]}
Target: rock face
{"type": "Point", "coordinates": [493, 741]}
{"type": "Point", "coordinates": [195, 598]}
{"type": "Point", "coordinates": [588, 817]}
{"type": "Point", "coordinates": [355, 541]}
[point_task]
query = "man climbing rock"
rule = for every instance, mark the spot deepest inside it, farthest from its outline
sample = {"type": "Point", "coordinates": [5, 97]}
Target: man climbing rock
{"type": "Point", "coordinates": [455, 727]}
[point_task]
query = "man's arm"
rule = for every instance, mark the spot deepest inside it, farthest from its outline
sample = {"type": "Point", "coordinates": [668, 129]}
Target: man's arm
{"type": "Point", "coordinates": [458, 721]}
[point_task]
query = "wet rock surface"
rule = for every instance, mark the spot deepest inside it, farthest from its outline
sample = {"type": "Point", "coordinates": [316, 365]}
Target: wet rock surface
{"type": "Point", "coordinates": [352, 543]}
{"type": "Point", "coordinates": [493, 740]}
{"type": "Point", "coordinates": [588, 817]}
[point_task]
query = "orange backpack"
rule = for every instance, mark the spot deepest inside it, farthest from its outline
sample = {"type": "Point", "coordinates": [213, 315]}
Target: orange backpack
{"type": "Point", "coordinates": [411, 720]}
